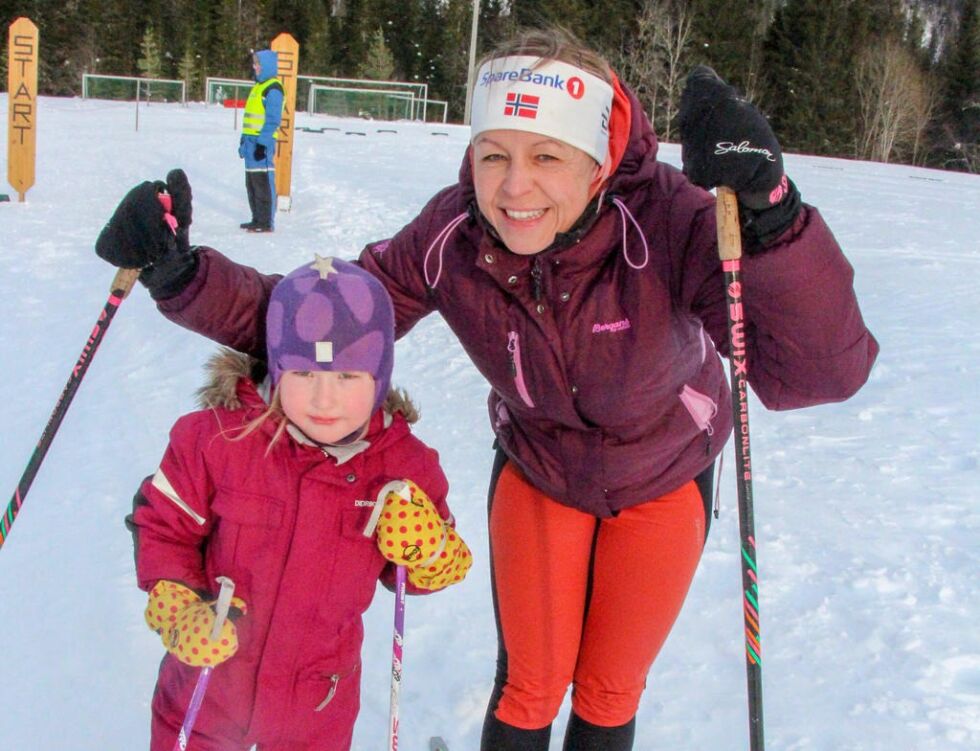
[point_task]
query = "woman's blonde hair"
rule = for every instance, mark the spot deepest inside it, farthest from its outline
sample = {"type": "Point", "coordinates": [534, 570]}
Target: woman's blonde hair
{"type": "Point", "coordinates": [553, 43]}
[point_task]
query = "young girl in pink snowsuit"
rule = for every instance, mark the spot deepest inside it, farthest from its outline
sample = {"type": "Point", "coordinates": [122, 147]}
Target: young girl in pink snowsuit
{"type": "Point", "coordinates": [274, 485]}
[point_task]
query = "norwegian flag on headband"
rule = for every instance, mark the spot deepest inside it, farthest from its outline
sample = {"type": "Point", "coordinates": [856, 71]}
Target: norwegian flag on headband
{"type": "Point", "coordinates": [521, 105]}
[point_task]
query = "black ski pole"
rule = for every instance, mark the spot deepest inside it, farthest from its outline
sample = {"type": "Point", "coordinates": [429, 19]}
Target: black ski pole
{"type": "Point", "coordinates": [730, 251]}
{"type": "Point", "coordinates": [121, 285]}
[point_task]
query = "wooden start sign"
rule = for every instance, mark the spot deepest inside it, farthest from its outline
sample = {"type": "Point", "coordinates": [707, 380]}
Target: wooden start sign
{"type": "Point", "coordinates": [288, 50]}
{"type": "Point", "coordinates": [22, 56]}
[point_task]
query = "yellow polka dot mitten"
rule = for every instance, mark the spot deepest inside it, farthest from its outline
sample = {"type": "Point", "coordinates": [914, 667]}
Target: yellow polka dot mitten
{"type": "Point", "coordinates": [184, 622]}
{"type": "Point", "coordinates": [411, 533]}
{"type": "Point", "coordinates": [410, 530]}
{"type": "Point", "coordinates": [449, 567]}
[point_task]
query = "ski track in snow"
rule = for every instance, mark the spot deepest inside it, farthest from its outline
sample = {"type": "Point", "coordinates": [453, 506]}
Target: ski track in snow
{"type": "Point", "coordinates": [866, 512]}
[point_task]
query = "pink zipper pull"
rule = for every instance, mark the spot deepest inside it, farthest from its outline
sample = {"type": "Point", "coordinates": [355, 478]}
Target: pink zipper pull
{"type": "Point", "coordinates": [514, 347]}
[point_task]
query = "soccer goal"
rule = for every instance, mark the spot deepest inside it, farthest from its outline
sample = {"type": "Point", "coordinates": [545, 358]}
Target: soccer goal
{"type": "Point", "coordinates": [434, 116]}
{"type": "Point", "coordinates": [373, 104]}
{"type": "Point", "coordinates": [220, 90]}
{"type": "Point", "coordinates": [129, 88]}
{"type": "Point", "coordinates": [418, 91]}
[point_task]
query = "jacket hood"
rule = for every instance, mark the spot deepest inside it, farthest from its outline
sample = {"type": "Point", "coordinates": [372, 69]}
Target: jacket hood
{"type": "Point", "coordinates": [235, 382]}
{"type": "Point", "coordinates": [268, 65]}
{"type": "Point", "coordinates": [636, 166]}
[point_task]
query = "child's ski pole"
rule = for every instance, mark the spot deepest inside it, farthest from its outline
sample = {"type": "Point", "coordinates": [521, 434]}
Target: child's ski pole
{"type": "Point", "coordinates": [396, 657]}
{"type": "Point", "coordinates": [220, 614]}
{"type": "Point", "coordinates": [730, 251]}
{"type": "Point", "coordinates": [121, 285]}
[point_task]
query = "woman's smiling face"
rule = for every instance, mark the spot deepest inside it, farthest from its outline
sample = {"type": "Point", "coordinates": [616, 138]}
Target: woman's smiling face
{"type": "Point", "coordinates": [530, 187]}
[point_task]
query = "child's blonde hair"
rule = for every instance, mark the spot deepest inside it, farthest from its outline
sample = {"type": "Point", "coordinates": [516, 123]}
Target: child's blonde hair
{"type": "Point", "coordinates": [227, 367]}
{"type": "Point", "coordinates": [273, 412]}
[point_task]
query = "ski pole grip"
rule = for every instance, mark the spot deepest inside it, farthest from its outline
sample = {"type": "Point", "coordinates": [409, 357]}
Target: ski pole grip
{"type": "Point", "coordinates": [222, 606]}
{"type": "Point", "coordinates": [126, 278]}
{"type": "Point", "coordinates": [729, 231]}
{"type": "Point", "coordinates": [123, 282]}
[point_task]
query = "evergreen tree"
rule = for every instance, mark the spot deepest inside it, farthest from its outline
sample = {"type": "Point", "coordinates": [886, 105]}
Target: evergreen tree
{"type": "Point", "coordinates": [349, 46]}
{"type": "Point", "coordinates": [119, 37]}
{"type": "Point", "coordinates": [233, 36]}
{"type": "Point", "coordinates": [379, 65]}
{"type": "Point", "coordinates": [610, 24]}
{"type": "Point", "coordinates": [315, 54]}
{"type": "Point", "coordinates": [809, 90]}
{"type": "Point", "coordinates": [432, 46]}
{"type": "Point", "coordinates": [458, 16]}
{"type": "Point", "coordinates": [962, 78]}
{"type": "Point", "coordinates": [573, 15]}
{"type": "Point", "coordinates": [190, 74]}
{"type": "Point", "coordinates": [398, 21]}
{"type": "Point", "coordinates": [810, 51]}
{"type": "Point", "coordinates": [729, 36]}
{"type": "Point", "coordinates": [961, 92]}
{"type": "Point", "coordinates": [149, 63]}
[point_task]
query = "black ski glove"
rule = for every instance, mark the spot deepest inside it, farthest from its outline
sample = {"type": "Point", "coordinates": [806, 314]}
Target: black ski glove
{"type": "Point", "coordinates": [727, 141]}
{"type": "Point", "coordinates": [138, 236]}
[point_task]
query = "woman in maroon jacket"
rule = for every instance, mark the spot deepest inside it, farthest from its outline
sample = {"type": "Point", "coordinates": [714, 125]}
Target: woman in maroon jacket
{"type": "Point", "coordinates": [581, 275]}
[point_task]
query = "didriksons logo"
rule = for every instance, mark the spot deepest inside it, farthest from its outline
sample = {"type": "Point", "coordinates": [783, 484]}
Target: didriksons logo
{"type": "Point", "coordinates": [524, 75]}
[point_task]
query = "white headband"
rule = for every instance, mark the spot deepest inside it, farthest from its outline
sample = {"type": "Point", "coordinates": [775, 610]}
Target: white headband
{"type": "Point", "coordinates": [550, 97]}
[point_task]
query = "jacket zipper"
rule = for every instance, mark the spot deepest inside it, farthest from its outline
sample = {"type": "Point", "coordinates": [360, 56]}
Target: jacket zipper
{"type": "Point", "coordinates": [536, 275]}
{"type": "Point", "coordinates": [514, 348]}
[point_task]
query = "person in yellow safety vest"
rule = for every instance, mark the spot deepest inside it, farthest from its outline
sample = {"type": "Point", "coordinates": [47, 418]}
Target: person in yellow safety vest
{"type": "Point", "coordinates": [260, 126]}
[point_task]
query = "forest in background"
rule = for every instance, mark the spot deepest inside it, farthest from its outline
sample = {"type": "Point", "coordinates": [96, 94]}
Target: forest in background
{"type": "Point", "coordinates": [886, 80]}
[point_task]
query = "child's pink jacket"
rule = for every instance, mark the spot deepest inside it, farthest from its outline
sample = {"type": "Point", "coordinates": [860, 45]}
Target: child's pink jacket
{"type": "Point", "coordinates": [287, 528]}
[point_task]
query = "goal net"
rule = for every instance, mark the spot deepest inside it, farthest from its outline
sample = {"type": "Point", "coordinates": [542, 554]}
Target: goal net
{"type": "Point", "coordinates": [372, 104]}
{"type": "Point", "coordinates": [131, 88]}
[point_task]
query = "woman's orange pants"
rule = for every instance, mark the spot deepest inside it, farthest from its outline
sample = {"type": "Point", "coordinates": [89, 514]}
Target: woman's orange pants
{"type": "Point", "coordinates": [585, 601]}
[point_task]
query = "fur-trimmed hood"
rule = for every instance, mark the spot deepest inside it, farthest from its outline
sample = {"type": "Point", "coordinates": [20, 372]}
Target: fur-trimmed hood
{"type": "Point", "coordinates": [226, 368]}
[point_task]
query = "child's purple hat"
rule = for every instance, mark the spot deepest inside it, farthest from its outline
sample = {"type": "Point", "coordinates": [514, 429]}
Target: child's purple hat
{"type": "Point", "coordinates": [331, 315]}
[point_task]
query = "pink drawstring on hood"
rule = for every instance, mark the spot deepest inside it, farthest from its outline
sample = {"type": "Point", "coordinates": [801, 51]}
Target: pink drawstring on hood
{"type": "Point", "coordinates": [441, 239]}
{"type": "Point", "coordinates": [624, 213]}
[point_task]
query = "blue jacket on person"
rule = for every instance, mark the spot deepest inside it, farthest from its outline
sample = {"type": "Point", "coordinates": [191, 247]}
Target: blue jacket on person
{"type": "Point", "coordinates": [272, 98]}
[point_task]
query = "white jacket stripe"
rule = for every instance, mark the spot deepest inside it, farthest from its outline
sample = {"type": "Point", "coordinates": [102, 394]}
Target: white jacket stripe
{"type": "Point", "coordinates": [161, 483]}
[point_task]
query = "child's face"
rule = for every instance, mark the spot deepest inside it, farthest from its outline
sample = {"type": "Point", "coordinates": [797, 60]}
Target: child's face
{"type": "Point", "coordinates": [327, 406]}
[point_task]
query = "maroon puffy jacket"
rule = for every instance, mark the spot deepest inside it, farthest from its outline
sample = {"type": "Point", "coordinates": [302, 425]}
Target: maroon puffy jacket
{"type": "Point", "coordinates": [601, 351]}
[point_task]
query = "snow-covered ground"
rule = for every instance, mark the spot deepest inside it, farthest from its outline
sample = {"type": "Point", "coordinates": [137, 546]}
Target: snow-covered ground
{"type": "Point", "coordinates": [867, 517]}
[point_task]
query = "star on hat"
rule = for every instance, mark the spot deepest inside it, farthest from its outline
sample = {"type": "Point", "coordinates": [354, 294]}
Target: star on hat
{"type": "Point", "coordinates": [324, 266]}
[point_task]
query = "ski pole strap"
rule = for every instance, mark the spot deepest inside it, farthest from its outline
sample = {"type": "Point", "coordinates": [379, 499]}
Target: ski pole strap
{"type": "Point", "coordinates": [222, 606]}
